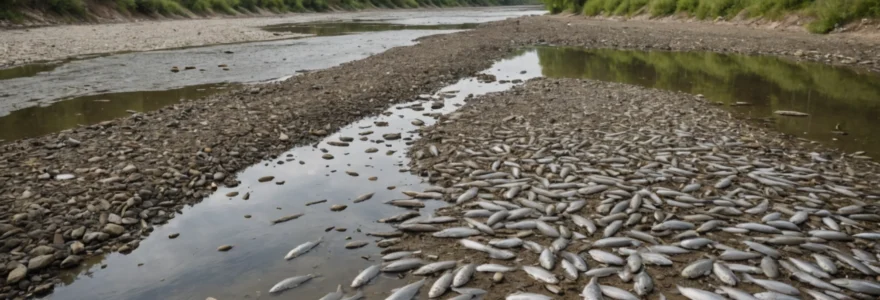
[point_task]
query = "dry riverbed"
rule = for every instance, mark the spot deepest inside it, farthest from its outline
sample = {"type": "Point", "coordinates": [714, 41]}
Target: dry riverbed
{"type": "Point", "coordinates": [102, 188]}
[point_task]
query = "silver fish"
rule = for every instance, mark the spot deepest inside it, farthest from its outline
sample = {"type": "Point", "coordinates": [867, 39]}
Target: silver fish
{"type": "Point", "coordinates": [592, 291]}
{"type": "Point", "coordinates": [290, 283]}
{"type": "Point", "coordinates": [441, 285]}
{"type": "Point", "coordinates": [407, 292]}
{"type": "Point", "coordinates": [456, 232]}
{"type": "Point", "coordinates": [570, 271]}
{"type": "Point", "coordinates": [357, 296]}
{"type": "Point", "coordinates": [527, 296]}
{"type": "Point", "coordinates": [643, 283]}
{"type": "Point", "coordinates": [435, 267]}
{"type": "Point", "coordinates": [397, 255]}
{"type": "Point", "coordinates": [698, 268]}
{"type": "Point", "coordinates": [365, 276]}
{"type": "Point", "coordinates": [769, 267]}
{"type": "Point", "coordinates": [605, 257]}
{"type": "Point", "coordinates": [337, 295]}
{"type": "Point", "coordinates": [493, 268]}
{"type": "Point", "coordinates": [363, 198]}
{"type": "Point", "coordinates": [737, 294]}
{"type": "Point", "coordinates": [775, 286]}
{"type": "Point", "coordinates": [617, 293]}
{"type": "Point", "coordinates": [303, 248]}
{"type": "Point", "coordinates": [403, 265]}
{"type": "Point", "coordinates": [540, 274]}
{"type": "Point", "coordinates": [698, 294]}
{"type": "Point", "coordinates": [602, 272]}
{"type": "Point", "coordinates": [547, 259]}
{"type": "Point", "coordinates": [860, 286]}
{"type": "Point", "coordinates": [724, 274]}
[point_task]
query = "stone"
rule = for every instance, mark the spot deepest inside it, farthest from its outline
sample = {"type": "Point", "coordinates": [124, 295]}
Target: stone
{"type": "Point", "coordinates": [113, 229]}
{"type": "Point", "coordinates": [224, 248]}
{"type": "Point", "coordinates": [352, 173]}
{"type": "Point", "coordinates": [498, 277]}
{"type": "Point", "coordinates": [77, 247]}
{"type": "Point", "coordinates": [40, 262]}
{"type": "Point", "coordinates": [71, 261]}
{"type": "Point", "coordinates": [346, 139]}
{"type": "Point", "coordinates": [391, 136]}
{"type": "Point", "coordinates": [17, 274]}
{"type": "Point", "coordinates": [129, 169]}
{"type": "Point", "coordinates": [114, 218]}
{"type": "Point", "coordinates": [355, 244]}
{"type": "Point", "coordinates": [338, 207]}
{"type": "Point", "coordinates": [78, 232]}
{"type": "Point", "coordinates": [327, 156]}
{"type": "Point", "coordinates": [173, 235]}
{"type": "Point", "coordinates": [266, 178]}
{"type": "Point", "coordinates": [219, 176]}
{"type": "Point", "coordinates": [42, 250]}
{"type": "Point", "coordinates": [371, 150]}
{"type": "Point", "coordinates": [283, 137]}
{"type": "Point", "coordinates": [96, 236]}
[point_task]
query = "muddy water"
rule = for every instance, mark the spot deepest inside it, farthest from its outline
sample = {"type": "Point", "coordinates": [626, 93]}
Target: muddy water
{"type": "Point", "coordinates": [190, 267]}
{"type": "Point", "coordinates": [343, 28]}
{"type": "Point", "coordinates": [844, 105]}
{"type": "Point", "coordinates": [40, 120]}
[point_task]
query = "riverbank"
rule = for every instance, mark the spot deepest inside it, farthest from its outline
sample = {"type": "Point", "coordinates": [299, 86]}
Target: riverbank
{"type": "Point", "coordinates": [107, 185]}
{"type": "Point", "coordinates": [53, 43]}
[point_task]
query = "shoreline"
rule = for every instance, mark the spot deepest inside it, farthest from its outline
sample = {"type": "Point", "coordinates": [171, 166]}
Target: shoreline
{"type": "Point", "coordinates": [135, 167]}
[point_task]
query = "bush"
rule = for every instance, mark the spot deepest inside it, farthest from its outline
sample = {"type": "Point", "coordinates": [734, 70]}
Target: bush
{"type": "Point", "coordinates": [662, 7]}
{"type": "Point", "coordinates": [73, 7]}
{"type": "Point", "coordinates": [165, 7]}
{"type": "Point", "coordinates": [126, 5]}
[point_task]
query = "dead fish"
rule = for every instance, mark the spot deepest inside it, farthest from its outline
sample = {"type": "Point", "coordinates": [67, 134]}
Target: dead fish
{"type": "Point", "coordinates": [775, 286]}
{"type": "Point", "coordinates": [397, 255]}
{"type": "Point", "coordinates": [546, 229]}
{"type": "Point", "coordinates": [417, 228]}
{"type": "Point", "coordinates": [494, 268]}
{"type": "Point", "coordinates": [860, 286]}
{"type": "Point", "coordinates": [290, 283]}
{"type": "Point", "coordinates": [506, 243]}
{"type": "Point", "coordinates": [303, 248]}
{"type": "Point", "coordinates": [407, 292]}
{"type": "Point", "coordinates": [527, 296]}
{"type": "Point", "coordinates": [357, 296]}
{"type": "Point", "coordinates": [733, 255]}
{"type": "Point", "coordinates": [698, 294]}
{"type": "Point", "coordinates": [407, 203]}
{"type": "Point", "coordinates": [463, 275]}
{"type": "Point", "coordinates": [602, 272]}
{"type": "Point", "coordinates": [467, 195]}
{"type": "Point", "coordinates": [616, 293]}
{"type": "Point", "coordinates": [724, 274]}
{"type": "Point", "coordinates": [337, 295]}
{"type": "Point", "coordinates": [363, 198]}
{"type": "Point", "coordinates": [540, 274]}
{"type": "Point", "coordinates": [480, 226]}
{"type": "Point", "coordinates": [497, 217]}
{"type": "Point", "coordinates": [403, 265]}
{"type": "Point", "coordinates": [456, 232]}
{"type": "Point", "coordinates": [592, 291]}
{"type": "Point", "coordinates": [769, 267]}
{"type": "Point", "coordinates": [737, 294]}
{"type": "Point", "coordinates": [365, 276]}
{"type": "Point", "coordinates": [675, 225]}
{"type": "Point", "coordinates": [441, 285]}
{"type": "Point", "coordinates": [570, 271]}
{"type": "Point", "coordinates": [763, 249]}
{"type": "Point", "coordinates": [698, 268]}
{"type": "Point", "coordinates": [605, 257]}
{"type": "Point", "coordinates": [547, 259]}
{"type": "Point", "coordinates": [435, 267]}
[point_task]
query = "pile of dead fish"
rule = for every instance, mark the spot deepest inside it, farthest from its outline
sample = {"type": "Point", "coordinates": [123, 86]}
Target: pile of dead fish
{"type": "Point", "coordinates": [731, 219]}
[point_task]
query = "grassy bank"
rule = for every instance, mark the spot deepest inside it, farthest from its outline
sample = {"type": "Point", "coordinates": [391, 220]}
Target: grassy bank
{"type": "Point", "coordinates": [828, 14]}
{"type": "Point", "coordinates": [83, 9]}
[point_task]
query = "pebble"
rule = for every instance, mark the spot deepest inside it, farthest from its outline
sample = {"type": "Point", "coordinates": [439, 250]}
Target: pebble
{"type": "Point", "coordinates": [338, 207]}
{"type": "Point", "coordinates": [352, 173]}
{"type": "Point", "coordinates": [373, 178]}
{"type": "Point", "coordinates": [266, 178]}
{"type": "Point", "coordinates": [371, 150]}
{"type": "Point", "coordinates": [327, 156]}
{"type": "Point", "coordinates": [498, 277]}
{"type": "Point", "coordinates": [231, 194]}
{"type": "Point", "coordinates": [173, 235]}
{"type": "Point", "coordinates": [355, 244]}
{"type": "Point", "coordinates": [224, 248]}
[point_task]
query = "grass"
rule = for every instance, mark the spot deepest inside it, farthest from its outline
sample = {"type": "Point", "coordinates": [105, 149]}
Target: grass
{"type": "Point", "coordinates": [11, 9]}
{"type": "Point", "coordinates": [827, 14]}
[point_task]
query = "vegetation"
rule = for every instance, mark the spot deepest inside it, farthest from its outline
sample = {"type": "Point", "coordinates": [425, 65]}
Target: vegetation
{"type": "Point", "coordinates": [11, 9]}
{"type": "Point", "coordinates": [828, 14]}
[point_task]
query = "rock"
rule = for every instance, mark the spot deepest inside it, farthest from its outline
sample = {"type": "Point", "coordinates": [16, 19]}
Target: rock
{"type": "Point", "coordinates": [391, 136]}
{"type": "Point", "coordinates": [346, 139]}
{"type": "Point", "coordinates": [78, 232]}
{"type": "Point", "coordinates": [352, 173]}
{"type": "Point", "coordinates": [129, 169]}
{"type": "Point", "coordinates": [77, 247]}
{"type": "Point", "coordinates": [283, 137]}
{"type": "Point", "coordinates": [355, 244]}
{"type": "Point", "coordinates": [224, 248]}
{"type": "Point", "coordinates": [113, 229]}
{"type": "Point", "coordinates": [173, 235]}
{"type": "Point", "coordinates": [17, 274]}
{"type": "Point", "coordinates": [373, 178]}
{"type": "Point", "coordinates": [381, 123]}
{"type": "Point", "coordinates": [247, 216]}
{"type": "Point", "coordinates": [95, 236]}
{"type": "Point", "coordinates": [114, 218]}
{"type": "Point", "coordinates": [231, 194]}
{"type": "Point", "coordinates": [71, 261]}
{"type": "Point", "coordinates": [219, 176]}
{"type": "Point", "coordinates": [371, 150]}
{"type": "Point", "coordinates": [42, 250]}
{"type": "Point", "coordinates": [799, 53]}
{"type": "Point", "coordinates": [44, 288]}
{"type": "Point", "coordinates": [498, 277]}
{"type": "Point", "coordinates": [319, 132]}
{"type": "Point", "coordinates": [418, 122]}
{"type": "Point", "coordinates": [327, 156]}
{"type": "Point", "coordinates": [341, 229]}
{"type": "Point", "coordinates": [337, 144]}
{"type": "Point", "coordinates": [338, 207]}
{"type": "Point", "coordinates": [40, 262]}
{"type": "Point", "coordinates": [266, 178]}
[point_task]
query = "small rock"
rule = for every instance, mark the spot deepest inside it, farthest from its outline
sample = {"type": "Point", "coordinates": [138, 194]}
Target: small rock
{"type": "Point", "coordinates": [327, 156]}
{"type": "Point", "coordinates": [371, 150]}
{"type": "Point", "coordinates": [40, 262]}
{"type": "Point", "coordinates": [283, 137]}
{"type": "Point", "coordinates": [352, 173]}
{"type": "Point", "coordinates": [17, 274]}
{"type": "Point", "coordinates": [341, 229]}
{"type": "Point", "coordinates": [42, 250]}
{"type": "Point", "coordinates": [391, 187]}
{"type": "Point", "coordinates": [71, 261]}
{"type": "Point", "coordinates": [266, 178]}
{"type": "Point", "coordinates": [418, 122]}
{"type": "Point", "coordinates": [338, 207]}
{"type": "Point", "coordinates": [224, 248]}
{"type": "Point", "coordinates": [78, 233]}
{"type": "Point", "coordinates": [498, 277]}
{"type": "Point", "coordinates": [346, 139]}
{"type": "Point", "coordinates": [173, 235]}
{"type": "Point", "coordinates": [355, 244]}
{"type": "Point", "coordinates": [381, 123]}
{"type": "Point", "coordinates": [319, 132]}
{"type": "Point", "coordinates": [373, 178]}
{"type": "Point", "coordinates": [231, 194]}
{"type": "Point", "coordinates": [391, 136]}
{"type": "Point", "coordinates": [113, 229]}
{"type": "Point", "coordinates": [219, 176]}
{"type": "Point", "coordinates": [77, 247]}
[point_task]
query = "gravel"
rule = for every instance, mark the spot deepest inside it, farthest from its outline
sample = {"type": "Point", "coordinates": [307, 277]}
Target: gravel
{"type": "Point", "coordinates": [175, 158]}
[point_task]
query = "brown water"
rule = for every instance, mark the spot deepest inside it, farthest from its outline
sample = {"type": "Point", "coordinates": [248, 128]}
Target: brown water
{"type": "Point", "coordinates": [86, 110]}
{"type": "Point", "coordinates": [25, 71]}
{"type": "Point", "coordinates": [835, 97]}
{"type": "Point", "coordinates": [190, 267]}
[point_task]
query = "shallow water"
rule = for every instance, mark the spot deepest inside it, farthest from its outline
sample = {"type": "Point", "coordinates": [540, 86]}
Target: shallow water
{"type": "Point", "coordinates": [190, 267]}
{"type": "Point", "coordinates": [835, 97]}
{"type": "Point", "coordinates": [127, 76]}
{"type": "Point", "coordinates": [40, 120]}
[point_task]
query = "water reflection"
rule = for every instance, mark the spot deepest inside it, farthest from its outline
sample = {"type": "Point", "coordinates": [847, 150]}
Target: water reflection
{"type": "Point", "coordinates": [833, 96]}
{"type": "Point", "coordinates": [189, 267]}
{"type": "Point", "coordinates": [343, 28]}
{"type": "Point", "coordinates": [36, 120]}
{"type": "Point", "coordinates": [25, 71]}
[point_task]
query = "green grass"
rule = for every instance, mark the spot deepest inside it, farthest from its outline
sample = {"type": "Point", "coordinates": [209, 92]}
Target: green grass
{"type": "Point", "coordinates": [827, 14]}
{"type": "Point", "coordinates": [11, 9]}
